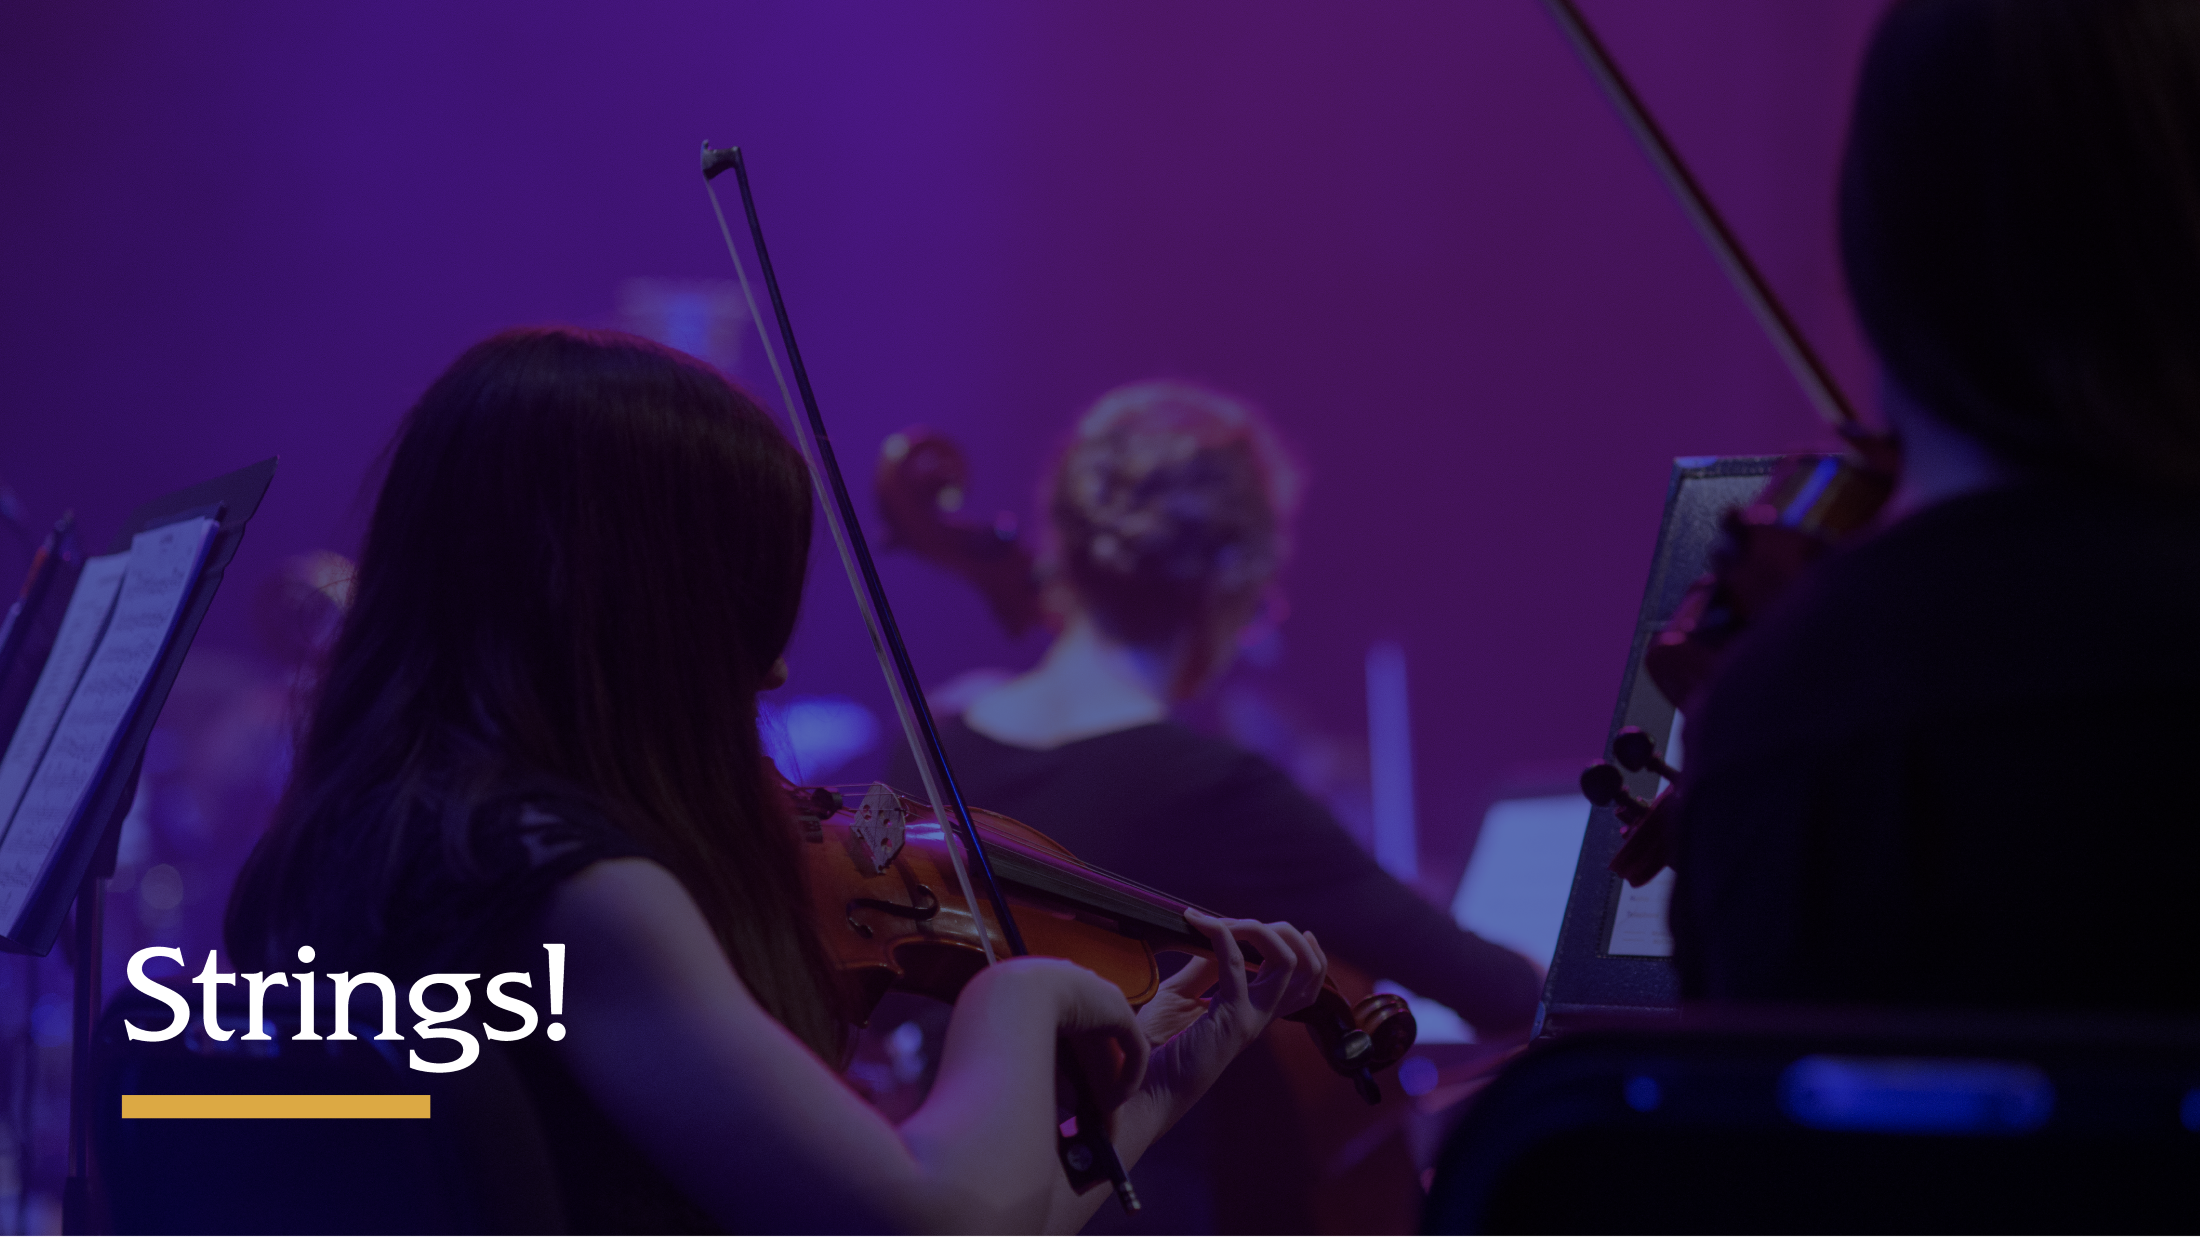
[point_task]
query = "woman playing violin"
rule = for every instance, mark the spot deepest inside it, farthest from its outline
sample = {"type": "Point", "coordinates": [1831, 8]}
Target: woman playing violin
{"type": "Point", "coordinates": [1168, 521]}
{"type": "Point", "coordinates": [1952, 766]}
{"type": "Point", "coordinates": [539, 724]}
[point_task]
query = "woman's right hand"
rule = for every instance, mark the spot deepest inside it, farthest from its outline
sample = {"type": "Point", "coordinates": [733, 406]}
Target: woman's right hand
{"type": "Point", "coordinates": [1080, 1006]}
{"type": "Point", "coordinates": [749, 1123]}
{"type": "Point", "coordinates": [1005, 1013]}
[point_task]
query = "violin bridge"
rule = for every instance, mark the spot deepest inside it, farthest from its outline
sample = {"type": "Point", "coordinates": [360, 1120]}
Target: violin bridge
{"type": "Point", "coordinates": [880, 825]}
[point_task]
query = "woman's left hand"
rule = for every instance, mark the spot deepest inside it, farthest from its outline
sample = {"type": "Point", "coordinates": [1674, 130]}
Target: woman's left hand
{"type": "Point", "coordinates": [1194, 1038]}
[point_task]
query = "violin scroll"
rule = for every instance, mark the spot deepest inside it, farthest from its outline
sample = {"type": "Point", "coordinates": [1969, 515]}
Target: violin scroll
{"type": "Point", "coordinates": [1376, 1035]}
{"type": "Point", "coordinates": [1360, 1040]}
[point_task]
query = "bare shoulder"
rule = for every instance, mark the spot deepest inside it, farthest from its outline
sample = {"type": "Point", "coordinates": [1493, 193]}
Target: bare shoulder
{"type": "Point", "coordinates": [616, 887]}
{"type": "Point", "coordinates": [620, 896]}
{"type": "Point", "coordinates": [630, 921]}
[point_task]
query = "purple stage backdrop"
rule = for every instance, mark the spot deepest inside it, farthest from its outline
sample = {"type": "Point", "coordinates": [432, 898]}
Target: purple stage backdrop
{"type": "Point", "coordinates": [1415, 232]}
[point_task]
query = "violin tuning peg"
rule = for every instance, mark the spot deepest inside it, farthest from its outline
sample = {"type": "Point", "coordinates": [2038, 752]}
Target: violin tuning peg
{"type": "Point", "coordinates": [1606, 786]}
{"type": "Point", "coordinates": [1355, 1044]}
{"type": "Point", "coordinates": [1633, 749]}
{"type": "Point", "coordinates": [1602, 784]}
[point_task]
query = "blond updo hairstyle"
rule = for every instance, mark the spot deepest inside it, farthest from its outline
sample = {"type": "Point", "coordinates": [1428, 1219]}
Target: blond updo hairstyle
{"type": "Point", "coordinates": [1171, 502]}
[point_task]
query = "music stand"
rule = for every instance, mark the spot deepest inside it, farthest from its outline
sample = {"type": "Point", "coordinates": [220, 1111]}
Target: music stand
{"type": "Point", "coordinates": [1587, 978]}
{"type": "Point", "coordinates": [84, 856]}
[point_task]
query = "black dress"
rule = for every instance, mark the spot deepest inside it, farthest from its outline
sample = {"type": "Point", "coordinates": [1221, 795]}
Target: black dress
{"type": "Point", "coordinates": [1954, 768]}
{"type": "Point", "coordinates": [478, 910]}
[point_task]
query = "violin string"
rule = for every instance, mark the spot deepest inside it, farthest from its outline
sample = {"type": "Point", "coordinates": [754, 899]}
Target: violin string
{"type": "Point", "coordinates": [812, 457]}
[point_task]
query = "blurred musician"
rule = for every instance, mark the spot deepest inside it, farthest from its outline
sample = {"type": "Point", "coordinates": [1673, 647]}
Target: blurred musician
{"type": "Point", "coordinates": [1953, 766]}
{"type": "Point", "coordinates": [1168, 520]}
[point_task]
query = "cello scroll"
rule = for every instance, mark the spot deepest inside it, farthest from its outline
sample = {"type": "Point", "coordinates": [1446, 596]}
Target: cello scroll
{"type": "Point", "coordinates": [923, 480]}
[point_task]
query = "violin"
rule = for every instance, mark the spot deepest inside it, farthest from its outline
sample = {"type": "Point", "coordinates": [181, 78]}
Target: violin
{"type": "Point", "coordinates": [893, 916]}
{"type": "Point", "coordinates": [1811, 503]}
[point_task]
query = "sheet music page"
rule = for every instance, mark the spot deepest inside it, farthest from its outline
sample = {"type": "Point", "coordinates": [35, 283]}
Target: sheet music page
{"type": "Point", "coordinates": [1638, 926]}
{"type": "Point", "coordinates": [164, 564]}
{"type": "Point", "coordinates": [82, 623]}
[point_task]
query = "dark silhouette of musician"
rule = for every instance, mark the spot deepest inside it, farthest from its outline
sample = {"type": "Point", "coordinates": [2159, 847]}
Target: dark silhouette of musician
{"type": "Point", "coordinates": [1951, 766]}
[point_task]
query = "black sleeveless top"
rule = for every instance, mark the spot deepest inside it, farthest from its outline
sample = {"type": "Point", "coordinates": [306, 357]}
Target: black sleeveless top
{"type": "Point", "coordinates": [481, 911]}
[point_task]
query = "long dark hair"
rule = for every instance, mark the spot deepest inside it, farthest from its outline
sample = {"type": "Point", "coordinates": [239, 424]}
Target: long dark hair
{"type": "Point", "coordinates": [585, 558]}
{"type": "Point", "coordinates": [2020, 226]}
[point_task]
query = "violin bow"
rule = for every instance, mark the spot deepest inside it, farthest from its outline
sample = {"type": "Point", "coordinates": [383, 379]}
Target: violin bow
{"type": "Point", "coordinates": [1087, 1156]}
{"type": "Point", "coordinates": [1802, 360]}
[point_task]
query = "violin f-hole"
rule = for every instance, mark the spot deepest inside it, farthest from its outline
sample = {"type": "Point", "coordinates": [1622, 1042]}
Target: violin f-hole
{"type": "Point", "coordinates": [927, 905]}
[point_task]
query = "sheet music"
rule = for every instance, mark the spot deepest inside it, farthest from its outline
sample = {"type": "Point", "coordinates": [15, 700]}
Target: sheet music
{"type": "Point", "coordinates": [1638, 926]}
{"type": "Point", "coordinates": [163, 566]}
{"type": "Point", "coordinates": [81, 626]}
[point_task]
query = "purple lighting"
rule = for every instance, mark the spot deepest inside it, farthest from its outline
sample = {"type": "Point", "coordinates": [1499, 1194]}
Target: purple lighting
{"type": "Point", "coordinates": [1415, 233]}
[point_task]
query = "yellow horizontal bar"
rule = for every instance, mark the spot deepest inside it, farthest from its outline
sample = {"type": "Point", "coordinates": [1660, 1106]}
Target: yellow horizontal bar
{"type": "Point", "coordinates": [274, 1106]}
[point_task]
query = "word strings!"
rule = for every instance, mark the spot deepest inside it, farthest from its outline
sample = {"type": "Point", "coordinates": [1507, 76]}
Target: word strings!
{"type": "Point", "coordinates": [433, 1024]}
